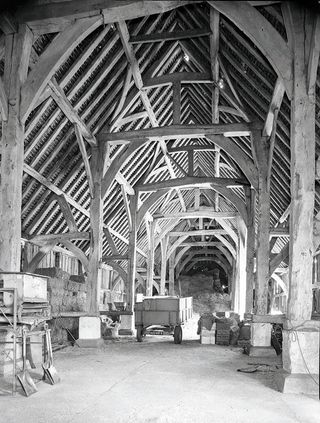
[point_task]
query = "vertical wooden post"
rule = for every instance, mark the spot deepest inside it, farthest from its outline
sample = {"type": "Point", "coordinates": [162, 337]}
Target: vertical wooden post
{"type": "Point", "coordinates": [261, 149]}
{"type": "Point", "coordinates": [232, 284]}
{"type": "Point", "coordinates": [250, 247]}
{"type": "Point", "coordinates": [96, 221]}
{"type": "Point", "coordinates": [235, 298]}
{"type": "Point", "coordinates": [132, 253]}
{"type": "Point", "coordinates": [150, 262]}
{"type": "Point", "coordinates": [302, 177]}
{"type": "Point", "coordinates": [171, 273]}
{"type": "Point", "coordinates": [17, 53]}
{"type": "Point", "coordinates": [242, 259]}
{"type": "Point", "coordinates": [214, 53]}
{"type": "Point", "coordinates": [164, 246]}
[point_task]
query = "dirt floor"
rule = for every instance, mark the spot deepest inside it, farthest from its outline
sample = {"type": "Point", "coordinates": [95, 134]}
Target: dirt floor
{"type": "Point", "coordinates": [158, 381]}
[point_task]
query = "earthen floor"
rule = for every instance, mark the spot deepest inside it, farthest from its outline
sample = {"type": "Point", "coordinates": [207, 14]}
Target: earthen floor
{"type": "Point", "coordinates": [158, 381]}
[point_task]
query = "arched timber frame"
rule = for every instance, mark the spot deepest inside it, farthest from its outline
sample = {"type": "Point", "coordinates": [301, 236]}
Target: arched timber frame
{"type": "Point", "coordinates": [214, 256]}
{"type": "Point", "coordinates": [279, 53]}
{"type": "Point", "coordinates": [155, 196]}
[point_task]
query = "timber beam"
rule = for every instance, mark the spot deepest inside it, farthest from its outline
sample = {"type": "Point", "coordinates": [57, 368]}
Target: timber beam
{"type": "Point", "coordinates": [192, 181]}
{"type": "Point", "coordinates": [58, 16]}
{"type": "Point", "coordinates": [170, 36]}
{"type": "Point", "coordinates": [57, 238]}
{"type": "Point", "coordinates": [190, 214]}
{"type": "Point", "coordinates": [279, 232]}
{"type": "Point", "coordinates": [193, 147]}
{"type": "Point", "coordinates": [182, 77]}
{"type": "Point", "coordinates": [279, 258]}
{"type": "Point", "coordinates": [199, 232]}
{"type": "Point", "coordinates": [180, 131]}
{"type": "Point", "coordinates": [115, 257]}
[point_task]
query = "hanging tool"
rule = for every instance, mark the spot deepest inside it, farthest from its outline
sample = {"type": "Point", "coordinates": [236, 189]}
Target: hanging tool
{"type": "Point", "coordinates": [50, 371]}
{"type": "Point", "coordinates": [26, 381]}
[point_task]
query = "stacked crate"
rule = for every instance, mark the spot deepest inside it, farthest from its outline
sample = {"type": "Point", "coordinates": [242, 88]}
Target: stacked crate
{"type": "Point", "coordinates": [208, 336]}
{"type": "Point", "coordinates": [223, 333]}
{"type": "Point", "coordinates": [207, 328]}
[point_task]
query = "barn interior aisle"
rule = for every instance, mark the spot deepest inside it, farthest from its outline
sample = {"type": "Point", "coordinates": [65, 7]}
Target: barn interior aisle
{"type": "Point", "coordinates": [160, 204]}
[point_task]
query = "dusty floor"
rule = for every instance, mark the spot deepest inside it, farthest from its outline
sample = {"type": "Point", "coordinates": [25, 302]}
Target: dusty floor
{"type": "Point", "coordinates": [158, 381]}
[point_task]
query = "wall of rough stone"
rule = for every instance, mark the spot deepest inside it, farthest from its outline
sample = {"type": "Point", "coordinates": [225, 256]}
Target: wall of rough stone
{"type": "Point", "coordinates": [66, 293]}
{"type": "Point", "coordinates": [201, 287]}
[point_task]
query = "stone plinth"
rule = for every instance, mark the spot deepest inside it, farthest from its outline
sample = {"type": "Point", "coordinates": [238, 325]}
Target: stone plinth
{"type": "Point", "coordinates": [297, 383]}
{"type": "Point", "coordinates": [261, 334]}
{"type": "Point", "coordinates": [300, 351]}
{"type": "Point", "coordinates": [127, 326]}
{"type": "Point", "coordinates": [261, 340]}
{"type": "Point", "coordinates": [300, 357]}
{"type": "Point", "coordinates": [89, 331]}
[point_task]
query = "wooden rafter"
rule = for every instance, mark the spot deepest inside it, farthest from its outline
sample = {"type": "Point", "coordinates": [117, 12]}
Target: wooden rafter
{"type": "Point", "coordinates": [62, 101]}
{"type": "Point", "coordinates": [313, 56]}
{"type": "Point", "coordinates": [52, 59]}
{"type": "Point", "coordinates": [126, 241]}
{"type": "Point", "coordinates": [133, 117]}
{"type": "Point", "coordinates": [274, 106]}
{"type": "Point", "coordinates": [263, 34]}
{"type": "Point", "coordinates": [44, 181]}
{"type": "Point", "coordinates": [214, 48]}
{"type": "Point", "coordinates": [67, 213]}
{"type": "Point", "coordinates": [85, 157]}
{"type": "Point", "coordinates": [124, 35]}
{"type": "Point", "coordinates": [3, 101]}
{"type": "Point", "coordinates": [126, 206]}
{"type": "Point", "coordinates": [110, 240]}
{"type": "Point", "coordinates": [123, 96]}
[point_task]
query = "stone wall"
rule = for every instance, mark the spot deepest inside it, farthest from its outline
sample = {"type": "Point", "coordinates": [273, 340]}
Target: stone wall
{"type": "Point", "coordinates": [202, 288]}
{"type": "Point", "coordinates": [66, 293]}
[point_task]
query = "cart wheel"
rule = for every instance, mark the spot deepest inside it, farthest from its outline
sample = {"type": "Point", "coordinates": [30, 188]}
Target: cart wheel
{"type": "Point", "coordinates": [177, 335]}
{"type": "Point", "coordinates": [139, 333]}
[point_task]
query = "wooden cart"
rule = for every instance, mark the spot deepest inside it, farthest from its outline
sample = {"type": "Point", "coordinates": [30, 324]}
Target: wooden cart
{"type": "Point", "coordinates": [165, 311]}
